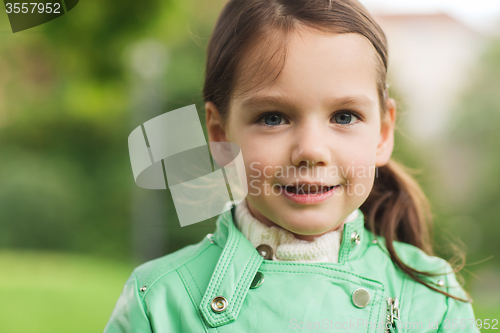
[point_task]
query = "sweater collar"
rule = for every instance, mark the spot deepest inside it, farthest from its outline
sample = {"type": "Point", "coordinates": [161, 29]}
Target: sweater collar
{"type": "Point", "coordinates": [239, 262]}
{"type": "Point", "coordinates": [284, 245]}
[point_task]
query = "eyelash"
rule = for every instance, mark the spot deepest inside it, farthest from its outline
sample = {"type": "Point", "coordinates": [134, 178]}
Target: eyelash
{"type": "Point", "coordinates": [262, 116]}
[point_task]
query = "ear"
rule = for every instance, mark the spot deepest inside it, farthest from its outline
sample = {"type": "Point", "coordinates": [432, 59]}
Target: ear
{"type": "Point", "coordinates": [215, 128]}
{"type": "Point", "coordinates": [386, 142]}
{"type": "Point", "coordinates": [221, 153]}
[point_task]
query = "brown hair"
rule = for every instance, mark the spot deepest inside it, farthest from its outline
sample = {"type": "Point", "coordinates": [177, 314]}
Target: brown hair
{"type": "Point", "coordinates": [396, 208]}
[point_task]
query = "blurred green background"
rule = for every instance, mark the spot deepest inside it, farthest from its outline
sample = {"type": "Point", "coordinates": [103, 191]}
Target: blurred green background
{"type": "Point", "coordinates": [73, 224]}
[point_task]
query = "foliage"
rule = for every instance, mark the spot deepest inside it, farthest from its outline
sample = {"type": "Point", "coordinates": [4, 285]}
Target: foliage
{"type": "Point", "coordinates": [65, 115]}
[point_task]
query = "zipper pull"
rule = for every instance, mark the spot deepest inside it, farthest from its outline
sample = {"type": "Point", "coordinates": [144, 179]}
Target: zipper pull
{"type": "Point", "coordinates": [392, 313]}
{"type": "Point", "coordinates": [395, 310]}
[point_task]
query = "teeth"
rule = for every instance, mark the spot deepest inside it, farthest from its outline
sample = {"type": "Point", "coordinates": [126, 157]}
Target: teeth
{"type": "Point", "coordinates": [304, 189]}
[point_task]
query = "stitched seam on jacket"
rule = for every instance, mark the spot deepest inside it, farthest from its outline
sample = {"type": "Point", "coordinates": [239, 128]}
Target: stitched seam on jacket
{"type": "Point", "coordinates": [371, 311]}
{"type": "Point", "coordinates": [345, 251]}
{"type": "Point", "coordinates": [190, 292]}
{"type": "Point", "coordinates": [160, 272]}
{"type": "Point", "coordinates": [143, 304]}
{"type": "Point", "coordinates": [329, 268]}
{"type": "Point", "coordinates": [225, 263]}
{"type": "Point", "coordinates": [239, 288]}
{"type": "Point", "coordinates": [447, 305]}
{"type": "Point", "coordinates": [408, 288]}
{"type": "Point", "coordinates": [332, 277]}
{"type": "Point", "coordinates": [403, 302]}
{"type": "Point", "coordinates": [194, 282]}
{"type": "Point", "coordinates": [225, 315]}
{"type": "Point", "coordinates": [411, 298]}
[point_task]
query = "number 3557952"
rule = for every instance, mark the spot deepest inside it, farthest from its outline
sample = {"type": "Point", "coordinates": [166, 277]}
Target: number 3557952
{"type": "Point", "coordinates": [33, 7]}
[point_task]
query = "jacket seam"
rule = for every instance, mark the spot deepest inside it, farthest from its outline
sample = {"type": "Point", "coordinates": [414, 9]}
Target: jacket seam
{"type": "Point", "coordinates": [143, 304]}
{"type": "Point", "coordinates": [332, 277]}
{"type": "Point", "coordinates": [244, 280]}
{"type": "Point", "coordinates": [408, 287]}
{"type": "Point", "coordinates": [191, 275]}
{"type": "Point", "coordinates": [378, 317]}
{"type": "Point", "coordinates": [191, 295]}
{"type": "Point", "coordinates": [225, 262]}
{"type": "Point", "coordinates": [239, 289]}
{"type": "Point", "coordinates": [447, 305]}
{"type": "Point", "coordinates": [319, 266]}
{"type": "Point", "coordinates": [156, 275]}
{"type": "Point", "coordinates": [411, 298]}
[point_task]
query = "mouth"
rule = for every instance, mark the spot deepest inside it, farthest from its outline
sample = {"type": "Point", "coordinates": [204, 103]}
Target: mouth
{"type": "Point", "coordinates": [308, 189]}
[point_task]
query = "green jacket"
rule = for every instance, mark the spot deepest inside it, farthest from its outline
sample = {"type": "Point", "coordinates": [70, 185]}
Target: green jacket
{"type": "Point", "coordinates": [222, 284]}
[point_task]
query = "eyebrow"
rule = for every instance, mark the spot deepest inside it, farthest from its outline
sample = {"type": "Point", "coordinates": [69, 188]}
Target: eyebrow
{"type": "Point", "coordinates": [256, 101]}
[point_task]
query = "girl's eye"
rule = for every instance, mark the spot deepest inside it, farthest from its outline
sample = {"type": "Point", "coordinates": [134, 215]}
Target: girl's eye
{"type": "Point", "coordinates": [345, 117]}
{"type": "Point", "coordinates": [272, 119]}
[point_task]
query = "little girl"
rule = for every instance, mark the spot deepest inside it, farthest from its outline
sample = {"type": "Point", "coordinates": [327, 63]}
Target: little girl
{"type": "Point", "coordinates": [333, 233]}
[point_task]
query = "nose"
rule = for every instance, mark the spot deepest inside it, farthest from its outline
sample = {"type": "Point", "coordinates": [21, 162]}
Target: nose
{"type": "Point", "coordinates": [311, 146]}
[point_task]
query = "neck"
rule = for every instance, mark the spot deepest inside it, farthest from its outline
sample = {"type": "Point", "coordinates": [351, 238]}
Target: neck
{"type": "Point", "coordinates": [264, 220]}
{"type": "Point", "coordinates": [285, 245]}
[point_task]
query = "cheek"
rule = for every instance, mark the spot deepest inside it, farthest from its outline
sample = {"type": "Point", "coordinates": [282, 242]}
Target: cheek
{"type": "Point", "coordinates": [359, 162]}
{"type": "Point", "coordinates": [260, 165]}
{"type": "Point", "coordinates": [363, 156]}
{"type": "Point", "coordinates": [260, 173]}
{"type": "Point", "coordinates": [364, 149]}
{"type": "Point", "coordinates": [261, 161]}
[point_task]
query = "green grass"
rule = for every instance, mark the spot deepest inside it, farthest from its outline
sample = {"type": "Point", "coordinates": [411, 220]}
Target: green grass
{"type": "Point", "coordinates": [57, 292]}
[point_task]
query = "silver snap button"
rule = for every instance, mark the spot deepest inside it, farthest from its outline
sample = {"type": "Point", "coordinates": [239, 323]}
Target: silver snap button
{"type": "Point", "coordinates": [440, 283]}
{"type": "Point", "coordinates": [257, 280]}
{"type": "Point", "coordinates": [361, 297]}
{"type": "Point", "coordinates": [355, 238]}
{"type": "Point", "coordinates": [219, 304]}
{"type": "Point", "coordinates": [374, 241]}
{"type": "Point", "coordinates": [265, 251]}
{"type": "Point", "coordinates": [143, 288]}
{"type": "Point", "coordinates": [209, 236]}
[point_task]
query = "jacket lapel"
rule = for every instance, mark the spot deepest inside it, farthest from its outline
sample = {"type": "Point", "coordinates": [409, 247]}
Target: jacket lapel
{"type": "Point", "coordinates": [233, 273]}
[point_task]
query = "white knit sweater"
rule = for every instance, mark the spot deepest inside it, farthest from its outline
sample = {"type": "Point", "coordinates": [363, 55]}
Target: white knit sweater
{"type": "Point", "coordinates": [284, 244]}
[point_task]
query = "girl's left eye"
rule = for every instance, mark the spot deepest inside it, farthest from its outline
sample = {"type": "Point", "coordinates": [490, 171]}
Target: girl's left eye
{"type": "Point", "coordinates": [345, 117]}
{"type": "Point", "coordinates": [271, 119]}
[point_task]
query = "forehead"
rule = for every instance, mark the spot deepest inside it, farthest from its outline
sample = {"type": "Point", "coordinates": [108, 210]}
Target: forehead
{"type": "Point", "coordinates": [309, 62]}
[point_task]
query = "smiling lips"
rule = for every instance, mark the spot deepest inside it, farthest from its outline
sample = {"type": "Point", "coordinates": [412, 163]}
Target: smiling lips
{"type": "Point", "coordinates": [303, 189]}
{"type": "Point", "coordinates": [308, 194]}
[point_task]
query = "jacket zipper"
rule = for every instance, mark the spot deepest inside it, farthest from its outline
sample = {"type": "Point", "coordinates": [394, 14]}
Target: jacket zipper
{"type": "Point", "coordinates": [392, 313]}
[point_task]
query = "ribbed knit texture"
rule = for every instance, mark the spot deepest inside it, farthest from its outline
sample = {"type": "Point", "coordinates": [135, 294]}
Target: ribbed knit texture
{"type": "Point", "coordinates": [286, 247]}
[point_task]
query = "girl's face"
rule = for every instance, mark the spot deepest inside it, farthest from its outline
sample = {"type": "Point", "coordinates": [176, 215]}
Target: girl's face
{"type": "Point", "coordinates": [318, 123]}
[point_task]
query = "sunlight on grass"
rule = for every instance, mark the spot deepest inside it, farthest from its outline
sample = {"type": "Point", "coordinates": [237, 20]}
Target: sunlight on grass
{"type": "Point", "coordinates": [57, 292]}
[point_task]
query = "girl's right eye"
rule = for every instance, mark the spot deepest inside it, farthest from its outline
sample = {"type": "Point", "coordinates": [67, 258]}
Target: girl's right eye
{"type": "Point", "coordinates": [271, 119]}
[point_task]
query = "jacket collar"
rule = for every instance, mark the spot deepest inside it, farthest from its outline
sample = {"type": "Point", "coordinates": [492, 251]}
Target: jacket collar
{"type": "Point", "coordinates": [239, 262]}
